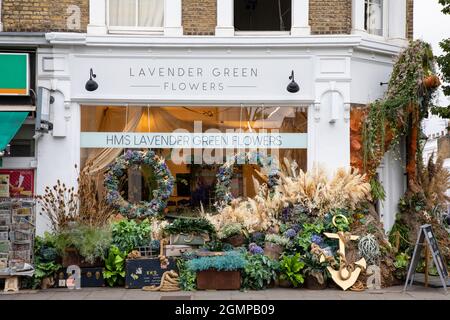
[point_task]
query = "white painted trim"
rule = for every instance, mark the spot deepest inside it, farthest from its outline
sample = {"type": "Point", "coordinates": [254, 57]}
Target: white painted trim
{"type": "Point", "coordinates": [173, 18]}
{"type": "Point", "coordinates": [225, 18]}
{"type": "Point", "coordinates": [300, 18]}
{"type": "Point", "coordinates": [97, 17]}
{"type": "Point", "coordinates": [17, 108]}
{"type": "Point", "coordinates": [358, 17]}
{"type": "Point", "coordinates": [19, 163]}
{"type": "Point", "coordinates": [397, 20]}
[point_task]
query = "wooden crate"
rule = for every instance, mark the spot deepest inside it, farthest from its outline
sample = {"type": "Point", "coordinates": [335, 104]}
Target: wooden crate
{"type": "Point", "coordinates": [187, 239]}
{"type": "Point", "coordinates": [176, 250]}
{"type": "Point", "coordinates": [218, 280]}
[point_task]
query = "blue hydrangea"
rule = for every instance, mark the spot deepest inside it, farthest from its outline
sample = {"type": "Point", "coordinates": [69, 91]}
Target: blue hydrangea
{"type": "Point", "coordinates": [290, 233]}
{"type": "Point", "coordinates": [253, 248]}
{"type": "Point", "coordinates": [316, 239]}
{"type": "Point", "coordinates": [296, 227]}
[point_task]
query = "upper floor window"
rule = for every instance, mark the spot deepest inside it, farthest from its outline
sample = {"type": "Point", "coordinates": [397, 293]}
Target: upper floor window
{"type": "Point", "coordinates": [139, 15]}
{"type": "Point", "coordinates": [262, 15]}
{"type": "Point", "coordinates": [374, 17]}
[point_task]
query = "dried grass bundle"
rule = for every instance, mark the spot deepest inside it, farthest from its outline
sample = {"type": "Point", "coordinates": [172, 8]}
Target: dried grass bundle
{"type": "Point", "coordinates": [319, 194]}
{"type": "Point", "coordinates": [435, 181]}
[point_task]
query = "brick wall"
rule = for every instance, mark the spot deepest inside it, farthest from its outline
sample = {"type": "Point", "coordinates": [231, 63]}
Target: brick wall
{"type": "Point", "coordinates": [330, 16]}
{"type": "Point", "coordinates": [199, 17]}
{"type": "Point", "coordinates": [42, 15]}
{"type": "Point", "coordinates": [410, 19]}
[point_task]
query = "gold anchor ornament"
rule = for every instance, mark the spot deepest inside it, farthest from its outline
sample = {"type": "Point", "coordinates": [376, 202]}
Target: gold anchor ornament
{"type": "Point", "coordinates": [347, 274]}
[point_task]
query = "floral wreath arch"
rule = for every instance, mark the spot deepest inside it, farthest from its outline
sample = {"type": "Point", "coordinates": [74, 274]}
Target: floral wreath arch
{"type": "Point", "coordinates": [225, 175]}
{"type": "Point", "coordinates": [164, 179]}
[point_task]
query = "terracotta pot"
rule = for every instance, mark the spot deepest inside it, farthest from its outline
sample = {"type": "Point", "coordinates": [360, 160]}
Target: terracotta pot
{"type": "Point", "coordinates": [273, 250]}
{"type": "Point", "coordinates": [431, 81]}
{"type": "Point", "coordinates": [236, 240]}
{"type": "Point", "coordinates": [312, 283]}
{"type": "Point", "coordinates": [218, 280]}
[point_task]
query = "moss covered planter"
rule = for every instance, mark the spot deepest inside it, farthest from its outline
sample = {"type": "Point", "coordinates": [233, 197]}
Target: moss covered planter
{"type": "Point", "coordinates": [218, 280]}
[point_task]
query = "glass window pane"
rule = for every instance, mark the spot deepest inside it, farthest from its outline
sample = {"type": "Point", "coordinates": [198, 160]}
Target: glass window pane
{"type": "Point", "coordinates": [122, 13]}
{"type": "Point", "coordinates": [267, 15]}
{"type": "Point", "coordinates": [374, 17]}
{"type": "Point", "coordinates": [151, 13]}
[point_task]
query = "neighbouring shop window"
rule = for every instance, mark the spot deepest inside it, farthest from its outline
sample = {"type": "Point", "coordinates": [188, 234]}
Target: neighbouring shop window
{"type": "Point", "coordinates": [23, 143]}
{"type": "Point", "coordinates": [262, 15]}
{"type": "Point", "coordinates": [373, 17]}
{"type": "Point", "coordinates": [136, 14]}
{"type": "Point", "coordinates": [194, 169]}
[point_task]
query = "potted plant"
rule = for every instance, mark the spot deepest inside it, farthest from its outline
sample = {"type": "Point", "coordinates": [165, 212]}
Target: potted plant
{"type": "Point", "coordinates": [83, 245]}
{"type": "Point", "coordinates": [401, 265]}
{"type": "Point", "coordinates": [233, 233]}
{"type": "Point", "coordinates": [259, 272]}
{"type": "Point", "coordinates": [189, 231]}
{"type": "Point", "coordinates": [274, 245]}
{"type": "Point", "coordinates": [45, 262]}
{"type": "Point", "coordinates": [220, 272]}
{"type": "Point", "coordinates": [291, 268]}
{"type": "Point", "coordinates": [315, 272]}
{"type": "Point", "coordinates": [114, 272]}
{"type": "Point", "coordinates": [128, 235]}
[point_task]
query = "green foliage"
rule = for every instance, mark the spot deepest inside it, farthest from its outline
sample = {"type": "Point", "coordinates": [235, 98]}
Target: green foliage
{"type": "Point", "coordinates": [314, 267]}
{"type": "Point", "coordinates": [446, 4]}
{"type": "Point", "coordinates": [291, 269]}
{"type": "Point", "coordinates": [303, 238]}
{"type": "Point", "coordinates": [259, 271]}
{"type": "Point", "coordinates": [45, 259]}
{"type": "Point", "coordinates": [115, 267]}
{"type": "Point", "coordinates": [444, 64]}
{"type": "Point", "coordinates": [129, 234]}
{"type": "Point", "coordinates": [217, 246]}
{"type": "Point", "coordinates": [401, 261]}
{"type": "Point", "coordinates": [230, 261]}
{"type": "Point", "coordinates": [188, 278]}
{"type": "Point", "coordinates": [190, 225]}
{"type": "Point", "coordinates": [403, 230]}
{"type": "Point", "coordinates": [377, 190]}
{"type": "Point", "coordinates": [91, 242]}
{"type": "Point", "coordinates": [231, 229]}
{"type": "Point", "coordinates": [277, 239]}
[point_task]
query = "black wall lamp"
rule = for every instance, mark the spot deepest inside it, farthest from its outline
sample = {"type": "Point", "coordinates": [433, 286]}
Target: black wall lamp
{"type": "Point", "coordinates": [91, 85]}
{"type": "Point", "coordinates": [292, 87]}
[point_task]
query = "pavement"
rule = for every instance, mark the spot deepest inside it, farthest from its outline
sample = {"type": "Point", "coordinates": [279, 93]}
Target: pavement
{"type": "Point", "coordinates": [391, 293]}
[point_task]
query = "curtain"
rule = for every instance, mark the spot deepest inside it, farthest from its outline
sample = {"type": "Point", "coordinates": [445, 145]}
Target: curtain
{"type": "Point", "coordinates": [122, 13]}
{"type": "Point", "coordinates": [101, 158]}
{"type": "Point", "coordinates": [151, 13]}
{"type": "Point", "coordinates": [375, 17]}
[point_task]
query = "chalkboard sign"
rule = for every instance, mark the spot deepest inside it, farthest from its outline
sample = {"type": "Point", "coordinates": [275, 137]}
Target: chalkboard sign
{"type": "Point", "coordinates": [145, 272]}
{"type": "Point", "coordinates": [426, 237]}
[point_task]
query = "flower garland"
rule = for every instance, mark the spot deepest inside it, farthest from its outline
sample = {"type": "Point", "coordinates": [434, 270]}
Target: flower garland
{"type": "Point", "coordinates": [163, 176]}
{"type": "Point", "coordinates": [225, 175]}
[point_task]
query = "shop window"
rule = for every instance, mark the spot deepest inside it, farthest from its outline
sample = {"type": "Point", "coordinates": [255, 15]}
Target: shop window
{"type": "Point", "coordinates": [137, 15]}
{"type": "Point", "coordinates": [262, 15]}
{"type": "Point", "coordinates": [194, 169]}
{"type": "Point", "coordinates": [374, 17]}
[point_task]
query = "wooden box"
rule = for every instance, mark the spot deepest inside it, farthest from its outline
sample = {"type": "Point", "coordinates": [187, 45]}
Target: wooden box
{"type": "Point", "coordinates": [218, 280]}
{"type": "Point", "coordinates": [176, 250]}
{"type": "Point", "coordinates": [90, 277]}
{"type": "Point", "coordinates": [145, 272]}
{"type": "Point", "coordinates": [187, 239]}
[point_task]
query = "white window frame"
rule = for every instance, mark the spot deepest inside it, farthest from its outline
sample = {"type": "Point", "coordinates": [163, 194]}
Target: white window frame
{"type": "Point", "coordinates": [1, 24]}
{"type": "Point", "coordinates": [133, 29]}
{"type": "Point", "coordinates": [99, 21]}
{"type": "Point", "coordinates": [385, 17]}
{"type": "Point", "coordinates": [299, 21]}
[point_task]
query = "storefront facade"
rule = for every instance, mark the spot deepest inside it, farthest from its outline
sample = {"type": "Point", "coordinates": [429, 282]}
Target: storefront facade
{"type": "Point", "coordinates": [231, 80]}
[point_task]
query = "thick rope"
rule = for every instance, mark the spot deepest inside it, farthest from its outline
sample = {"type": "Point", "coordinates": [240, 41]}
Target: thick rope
{"type": "Point", "coordinates": [169, 282]}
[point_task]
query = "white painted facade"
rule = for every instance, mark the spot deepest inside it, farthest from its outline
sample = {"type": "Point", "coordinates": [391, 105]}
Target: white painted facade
{"type": "Point", "coordinates": [333, 71]}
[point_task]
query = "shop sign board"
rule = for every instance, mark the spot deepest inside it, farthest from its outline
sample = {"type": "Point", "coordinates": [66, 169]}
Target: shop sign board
{"type": "Point", "coordinates": [14, 79]}
{"type": "Point", "coordinates": [186, 140]}
{"type": "Point", "coordinates": [192, 78]}
{"type": "Point", "coordinates": [21, 182]}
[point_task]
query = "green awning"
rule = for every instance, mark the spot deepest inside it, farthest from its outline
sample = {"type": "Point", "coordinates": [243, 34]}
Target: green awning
{"type": "Point", "coordinates": [10, 123]}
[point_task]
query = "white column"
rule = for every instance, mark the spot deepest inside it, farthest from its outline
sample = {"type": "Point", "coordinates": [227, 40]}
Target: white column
{"type": "Point", "coordinates": [358, 16]}
{"type": "Point", "coordinates": [172, 18]}
{"type": "Point", "coordinates": [397, 19]}
{"type": "Point", "coordinates": [1, 24]}
{"type": "Point", "coordinates": [225, 18]}
{"type": "Point", "coordinates": [300, 18]}
{"type": "Point", "coordinates": [97, 17]}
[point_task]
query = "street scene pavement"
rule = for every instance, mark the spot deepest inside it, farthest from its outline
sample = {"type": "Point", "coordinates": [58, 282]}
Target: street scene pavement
{"type": "Point", "coordinates": [391, 293]}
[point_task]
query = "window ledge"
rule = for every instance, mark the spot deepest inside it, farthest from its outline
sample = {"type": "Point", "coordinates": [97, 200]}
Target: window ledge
{"type": "Point", "coordinates": [262, 33]}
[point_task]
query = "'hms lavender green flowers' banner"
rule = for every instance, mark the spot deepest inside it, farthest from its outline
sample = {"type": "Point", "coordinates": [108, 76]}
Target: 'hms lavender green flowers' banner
{"type": "Point", "coordinates": [186, 140]}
